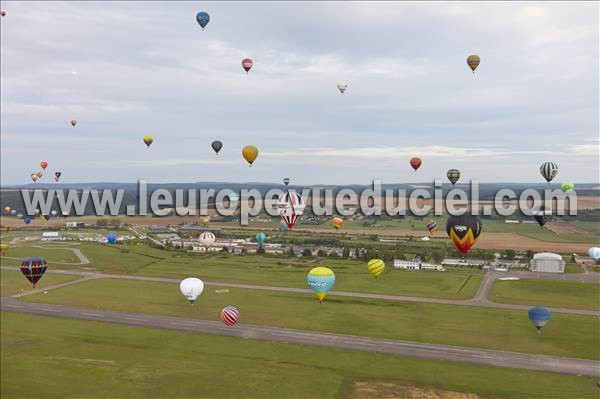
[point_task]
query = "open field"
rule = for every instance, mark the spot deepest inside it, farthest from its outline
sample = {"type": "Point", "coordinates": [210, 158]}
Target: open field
{"type": "Point", "coordinates": [13, 282]}
{"type": "Point", "coordinates": [134, 362]}
{"type": "Point", "coordinates": [568, 294]}
{"type": "Point", "coordinates": [52, 253]}
{"type": "Point", "coordinates": [567, 335]}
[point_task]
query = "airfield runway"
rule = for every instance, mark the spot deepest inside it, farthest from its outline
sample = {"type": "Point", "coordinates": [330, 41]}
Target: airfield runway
{"type": "Point", "coordinates": [386, 346]}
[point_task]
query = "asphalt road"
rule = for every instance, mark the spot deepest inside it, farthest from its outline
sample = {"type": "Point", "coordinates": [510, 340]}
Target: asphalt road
{"type": "Point", "coordinates": [476, 301]}
{"type": "Point", "coordinates": [387, 346]}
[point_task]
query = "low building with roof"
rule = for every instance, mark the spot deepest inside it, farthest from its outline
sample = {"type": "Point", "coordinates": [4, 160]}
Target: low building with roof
{"type": "Point", "coordinates": [547, 262]}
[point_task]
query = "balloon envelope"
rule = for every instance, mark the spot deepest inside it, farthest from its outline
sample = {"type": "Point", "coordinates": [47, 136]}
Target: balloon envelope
{"type": "Point", "coordinates": [27, 220]}
{"type": "Point", "coordinates": [216, 146]}
{"type": "Point", "coordinates": [376, 267]}
{"type": "Point", "coordinates": [202, 18]}
{"type": "Point", "coordinates": [191, 288]}
{"type": "Point", "coordinates": [286, 181]}
{"type": "Point", "coordinates": [463, 231]}
{"type": "Point", "coordinates": [320, 281]}
{"type": "Point", "coordinates": [33, 269]}
{"type": "Point", "coordinates": [567, 187]}
{"type": "Point", "coordinates": [44, 164]}
{"type": "Point", "coordinates": [260, 237]}
{"type": "Point", "coordinates": [549, 170]}
{"type": "Point", "coordinates": [453, 175]}
{"type": "Point", "coordinates": [111, 238]}
{"type": "Point", "coordinates": [207, 238]}
{"type": "Point", "coordinates": [337, 222]}
{"type": "Point", "coordinates": [342, 87]}
{"type": "Point", "coordinates": [148, 140]}
{"type": "Point", "coordinates": [3, 249]}
{"type": "Point", "coordinates": [431, 226]}
{"type": "Point", "coordinates": [250, 153]}
{"type": "Point", "coordinates": [415, 162]}
{"type": "Point", "coordinates": [290, 207]}
{"type": "Point", "coordinates": [473, 61]}
{"type": "Point", "coordinates": [539, 316]}
{"type": "Point", "coordinates": [73, 123]}
{"type": "Point", "coordinates": [594, 253]}
{"type": "Point", "coordinates": [542, 216]}
{"type": "Point", "coordinates": [230, 315]}
{"type": "Point", "coordinates": [247, 64]}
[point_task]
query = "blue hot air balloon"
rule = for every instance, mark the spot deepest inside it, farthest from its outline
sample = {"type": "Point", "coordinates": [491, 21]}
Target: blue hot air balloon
{"type": "Point", "coordinates": [27, 220]}
{"type": "Point", "coordinates": [202, 17]}
{"type": "Point", "coordinates": [320, 281]}
{"type": "Point", "coordinates": [111, 238]}
{"type": "Point", "coordinates": [539, 316]}
{"type": "Point", "coordinates": [260, 238]}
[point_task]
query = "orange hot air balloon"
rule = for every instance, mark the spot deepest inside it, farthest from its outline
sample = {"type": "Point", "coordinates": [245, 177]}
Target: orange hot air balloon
{"type": "Point", "coordinates": [44, 164]}
{"type": "Point", "coordinates": [415, 162]}
{"type": "Point", "coordinates": [39, 174]}
{"type": "Point", "coordinates": [250, 153]}
{"type": "Point", "coordinates": [337, 223]}
{"type": "Point", "coordinates": [247, 64]}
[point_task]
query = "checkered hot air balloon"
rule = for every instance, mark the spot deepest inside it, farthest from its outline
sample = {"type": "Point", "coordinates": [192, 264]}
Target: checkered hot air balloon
{"type": "Point", "coordinates": [290, 207]}
{"type": "Point", "coordinates": [230, 315]}
{"type": "Point", "coordinates": [33, 268]}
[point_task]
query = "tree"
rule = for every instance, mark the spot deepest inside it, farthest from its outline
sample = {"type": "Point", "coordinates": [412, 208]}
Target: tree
{"type": "Point", "coordinates": [346, 253]}
{"type": "Point", "coordinates": [437, 256]}
{"type": "Point", "coordinates": [101, 222]}
{"type": "Point", "coordinates": [530, 254]}
{"type": "Point", "coordinates": [306, 252]}
{"type": "Point", "coordinates": [510, 254]}
{"type": "Point", "coordinates": [321, 253]}
{"type": "Point", "coordinates": [260, 250]}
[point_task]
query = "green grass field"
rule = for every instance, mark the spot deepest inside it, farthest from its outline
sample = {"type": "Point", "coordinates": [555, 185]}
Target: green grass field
{"type": "Point", "coordinates": [566, 335]}
{"type": "Point", "coordinates": [139, 259]}
{"type": "Point", "coordinates": [13, 282]}
{"type": "Point", "coordinates": [567, 294]}
{"type": "Point", "coordinates": [51, 252]}
{"type": "Point", "coordinates": [62, 358]}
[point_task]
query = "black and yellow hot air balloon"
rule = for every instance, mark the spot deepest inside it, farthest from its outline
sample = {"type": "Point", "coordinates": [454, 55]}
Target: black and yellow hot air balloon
{"type": "Point", "coordinates": [463, 231]}
{"type": "Point", "coordinates": [453, 175]}
{"type": "Point", "coordinates": [473, 61]}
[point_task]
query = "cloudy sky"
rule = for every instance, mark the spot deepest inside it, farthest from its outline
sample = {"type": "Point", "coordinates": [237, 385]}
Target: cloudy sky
{"type": "Point", "coordinates": [127, 69]}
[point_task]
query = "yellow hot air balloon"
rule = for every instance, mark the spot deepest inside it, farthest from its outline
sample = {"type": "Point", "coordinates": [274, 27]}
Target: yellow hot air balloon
{"type": "Point", "coordinates": [337, 223]}
{"type": "Point", "coordinates": [376, 267]}
{"type": "Point", "coordinates": [473, 61]}
{"type": "Point", "coordinates": [250, 153]}
{"type": "Point", "coordinates": [148, 140]}
{"type": "Point", "coordinates": [205, 220]}
{"type": "Point", "coordinates": [3, 249]}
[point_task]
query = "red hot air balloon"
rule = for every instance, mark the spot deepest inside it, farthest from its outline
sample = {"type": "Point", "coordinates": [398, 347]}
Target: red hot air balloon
{"type": "Point", "coordinates": [33, 269]}
{"type": "Point", "coordinates": [3, 13]}
{"type": "Point", "coordinates": [415, 162]}
{"type": "Point", "coordinates": [44, 164]}
{"type": "Point", "coordinates": [247, 64]}
{"type": "Point", "coordinates": [230, 315]}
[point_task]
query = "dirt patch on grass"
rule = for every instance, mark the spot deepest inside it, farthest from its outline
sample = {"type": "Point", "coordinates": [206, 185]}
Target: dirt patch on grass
{"type": "Point", "coordinates": [401, 390]}
{"type": "Point", "coordinates": [565, 228]}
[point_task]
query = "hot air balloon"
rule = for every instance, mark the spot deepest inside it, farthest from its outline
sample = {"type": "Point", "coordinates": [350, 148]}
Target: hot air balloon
{"type": "Point", "coordinates": [33, 269]}
{"type": "Point", "coordinates": [320, 281]}
{"type": "Point", "coordinates": [13, 212]}
{"type": "Point", "coordinates": [3, 249]}
{"type": "Point", "coordinates": [37, 211]}
{"type": "Point", "coordinates": [453, 175]}
{"type": "Point", "coordinates": [203, 18]}
{"type": "Point", "coordinates": [20, 215]}
{"type": "Point", "coordinates": [549, 170]}
{"type": "Point", "coordinates": [342, 87]}
{"type": "Point", "coordinates": [7, 210]}
{"type": "Point", "coordinates": [191, 288]}
{"type": "Point", "coordinates": [111, 238]}
{"type": "Point", "coordinates": [337, 222]}
{"type": "Point", "coordinates": [3, 13]}
{"type": "Point", "coordinates": [376, 267]}
{"type": "Point", "coordinates": [250, 153]}
{"type": "Point", "coordinates": [205, 220]}
{"type": "Point", "coordinates": [260, 238]}
{"type": "Point", "coordinates": [473, 62]}
{"type": "Point", "coordinates": [542, 216]}
{"type": "Point", "coordinates": [463, 231]}
{"type": "Point", "coordinates": [46, 216]}
{"type": "Point", "coordinates": [34, 177]}
{"type": "Point", "coordinates": [73, 123]}
{"type": "Point", "coordinates": [39, 174]}
{"type": "Point", "coordinates": [247, 64]}
{"type": "Point", "coordinates": [539, 316]}
{"type": "Point", "coordinates": [57, 176]}
{"type": "Point", "coordinates": [432, 226]}
{"type": "Point", "coordinates": [207, 238]}
{"type": "Point", "coordinates": [148, 140]}
{"type": "Point", "coordinates": [44, 164]}
{"type": "Point", "coordinates": [53, 212]}
{"type": "Point", "coordinates": [216, 146]}
{"type": "Point", "coordinates": [594, 253]}
{"type": "Point", "coordinates": [415, 162]}
{"type": "Point", "coordinates": [290, 206]}
{"type": "Point", "coordinates": [230, 315]}
{"type": "Point", "coordinates": [27, 219]}
{"type": "Point", "coordinates": [286, 181]}
{"type": "Point", "coordinates": [567, 187]}
{"type": "Point", "coordinates": [283, 226]}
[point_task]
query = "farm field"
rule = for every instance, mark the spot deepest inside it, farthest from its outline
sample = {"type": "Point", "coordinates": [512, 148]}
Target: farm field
{"type": "Point", "coordinates": [567, 294]}
{"type": "Point", "coordinates": [13, 282]}
{"type": "Point", "coordinates": [52, 253]}
{"type": "Point", "coordinates": [134, 362]}
{"type": "Point", "coordinates": [566, 335]}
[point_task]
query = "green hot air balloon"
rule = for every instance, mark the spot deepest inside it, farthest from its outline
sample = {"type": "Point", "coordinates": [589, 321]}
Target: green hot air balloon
{"type": "Point", "coordinates": [567, 187]}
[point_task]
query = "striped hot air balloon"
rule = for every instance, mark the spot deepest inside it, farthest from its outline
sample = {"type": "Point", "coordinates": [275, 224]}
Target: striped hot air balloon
{"type": "Point", "coordinates": [290, 206]}
{"type": "Point", "coordinates": [432, 226]}
{"type": "Point", "coordinates": [463, 231]}
{"type": "Point", "coordinates": [337, 223]}
{"type": "Point", "coordinates": [33, 269]}
{"type": "Point", "coordinates": [230, 315]}
{"type": "Point", "coordinates": [376, 267]}
{"type": "Point", "coordinates": [549, 170]}
{"type": "Point", "coordinates": [207, 238]}
{"type": "Point", "coordinates": [473, 61]}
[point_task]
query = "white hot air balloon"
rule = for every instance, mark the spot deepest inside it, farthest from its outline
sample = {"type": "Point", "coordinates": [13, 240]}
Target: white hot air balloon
{"type": "Point", "coordinates": [191, 288]}
{"type": "Point", "coordinates": [594, 253]}
{"type": "Point", "coordinates": [342, 87]}
{"type": "Point", "coordinates": [207, 238]}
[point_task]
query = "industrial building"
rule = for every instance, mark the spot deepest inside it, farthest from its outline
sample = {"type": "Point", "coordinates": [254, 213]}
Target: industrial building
{"type": "Point", "coordinates": [547, 262]}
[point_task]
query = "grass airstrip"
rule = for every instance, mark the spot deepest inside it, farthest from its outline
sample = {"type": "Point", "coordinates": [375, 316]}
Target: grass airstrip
{"type": "Point", "coordinates": [41, 355]}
